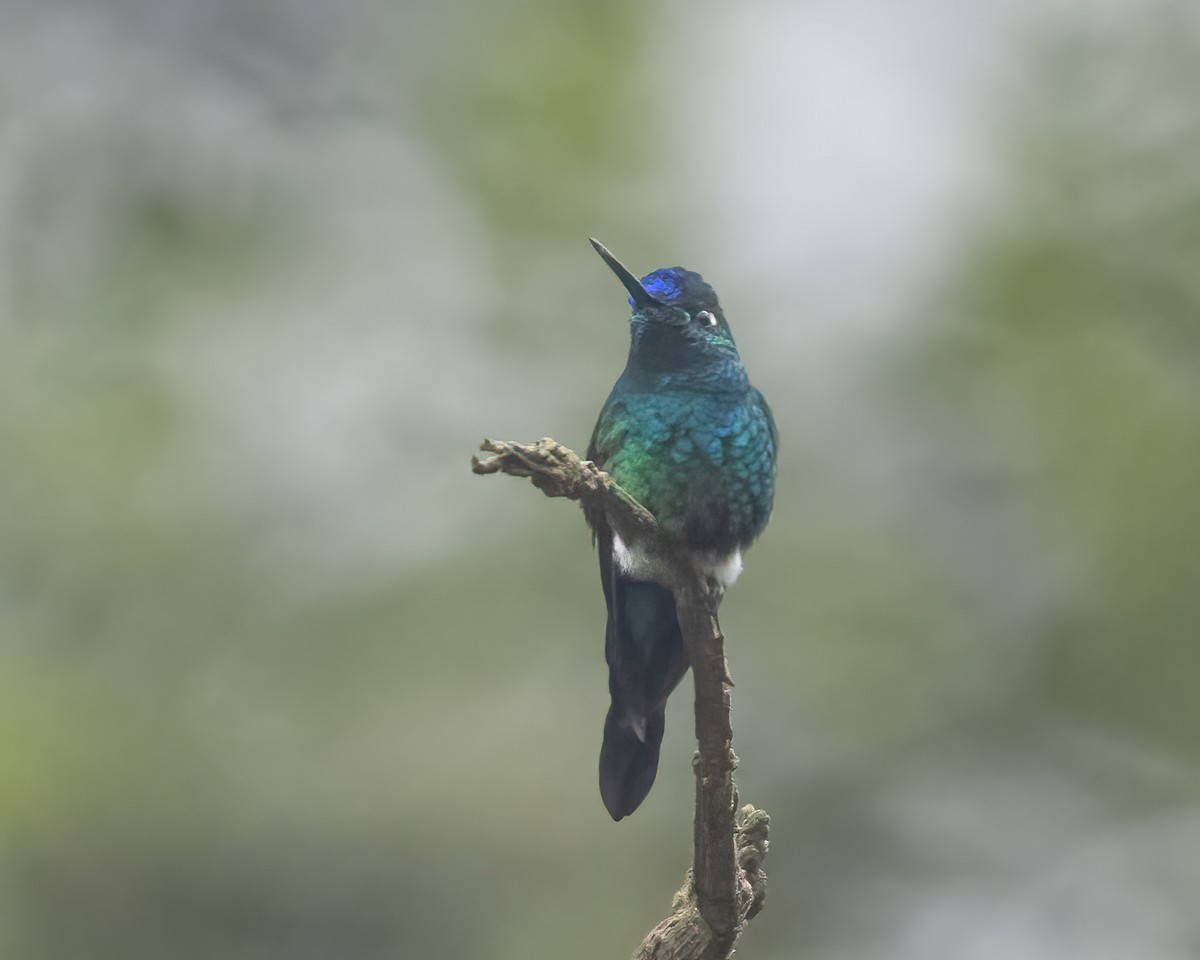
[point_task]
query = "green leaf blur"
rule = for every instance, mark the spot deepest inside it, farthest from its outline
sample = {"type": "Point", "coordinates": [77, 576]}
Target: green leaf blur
{"type": "Point", "coordinates": [280, 678]}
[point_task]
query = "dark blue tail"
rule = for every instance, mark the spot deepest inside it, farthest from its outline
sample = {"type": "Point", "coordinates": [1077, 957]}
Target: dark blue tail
{"type": "Point", "coordinates": [646, 661]}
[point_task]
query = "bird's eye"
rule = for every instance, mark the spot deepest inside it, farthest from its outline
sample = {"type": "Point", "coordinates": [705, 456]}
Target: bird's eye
{"type": "Point", "coordinates": [704, 318]}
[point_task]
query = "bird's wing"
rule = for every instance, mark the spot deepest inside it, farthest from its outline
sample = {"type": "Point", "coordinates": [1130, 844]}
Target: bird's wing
{"type": "Point", "coordinates": [606, 433]}
{"type": "Point", "coordinates": [600, 449]}
{"type": "Point", "coordinates": [770, 417]}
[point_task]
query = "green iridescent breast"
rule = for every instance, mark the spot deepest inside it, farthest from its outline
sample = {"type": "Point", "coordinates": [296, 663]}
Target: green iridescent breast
{"type": "Point", "coordinates": [704, 465]}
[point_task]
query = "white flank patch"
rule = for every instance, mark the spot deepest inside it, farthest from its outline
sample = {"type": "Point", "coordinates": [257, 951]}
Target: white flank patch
{"type": "Point", "coordinates": [635, 562]}
{"type": "Point", "coordinates": [723, 568]}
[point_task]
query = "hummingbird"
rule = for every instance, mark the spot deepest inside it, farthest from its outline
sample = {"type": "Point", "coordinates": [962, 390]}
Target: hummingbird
{"type": "Point", "coordinates": [685, 433]}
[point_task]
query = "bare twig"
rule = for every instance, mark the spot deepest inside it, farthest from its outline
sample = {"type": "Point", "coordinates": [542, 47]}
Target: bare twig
{"type": "Point", "coordinates": [726, 885]}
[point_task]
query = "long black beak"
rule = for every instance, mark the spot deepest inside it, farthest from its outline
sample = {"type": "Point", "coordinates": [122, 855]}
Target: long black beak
{"type": "Point", "coordinates": [640, 297]}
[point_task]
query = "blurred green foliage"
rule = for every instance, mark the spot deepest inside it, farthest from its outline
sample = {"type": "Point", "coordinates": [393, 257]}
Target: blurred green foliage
{"type": "Point", "coordinates": [1072, 364]}
{"type": "Point", "coordinates": [516, 95]}
{"type": "Point", "coordinates": [280, 678]}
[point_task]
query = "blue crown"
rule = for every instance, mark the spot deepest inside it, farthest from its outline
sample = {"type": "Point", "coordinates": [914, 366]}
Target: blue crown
{"type": "Point", "coordinates": [665, 284]}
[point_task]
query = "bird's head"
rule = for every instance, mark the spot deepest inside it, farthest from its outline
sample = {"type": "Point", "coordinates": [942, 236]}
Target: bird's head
{"type": "Point", "coordinates": [677, 322]}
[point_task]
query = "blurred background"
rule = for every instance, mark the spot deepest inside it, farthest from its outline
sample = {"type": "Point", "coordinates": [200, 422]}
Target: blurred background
{"type": "Point", "coordinates": [279, 678]}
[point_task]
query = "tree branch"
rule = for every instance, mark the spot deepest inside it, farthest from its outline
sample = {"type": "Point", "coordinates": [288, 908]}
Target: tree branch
{"type": "Point", "coordinates": [726, 885]}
